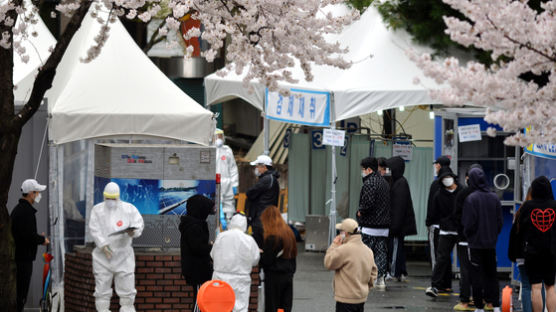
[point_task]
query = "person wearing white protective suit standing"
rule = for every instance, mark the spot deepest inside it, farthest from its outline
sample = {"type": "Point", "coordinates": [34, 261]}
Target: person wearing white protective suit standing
{"type": "Point", "coordinates": [235, 254]}
{"type": "Point", "coordinates": [229, 179]}
{"type": "Point", "coordinates": [113, 225]}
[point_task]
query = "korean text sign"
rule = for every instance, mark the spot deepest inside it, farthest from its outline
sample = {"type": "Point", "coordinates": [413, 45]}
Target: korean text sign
{"type": "Point", "coordinates": [303, 107]}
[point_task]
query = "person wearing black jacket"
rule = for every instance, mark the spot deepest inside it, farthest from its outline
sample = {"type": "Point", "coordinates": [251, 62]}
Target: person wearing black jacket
{"type": "Point", "coordinates": [482, 222]}
{"type": "Point", "coordinates": [536, 222]}
{"type": "Point", "coordinates": [373, 216]}
{"type": "Point", "coordinates": [261, 195]}
{"type": "Point", "coordinates": [402, 218]}
{"type": "Point", "coordinates": [443, 205]}
{"type": "Point", "coordinates": [441, 166]}
{"type": "Point", "coordinates": [462, 247]}
{"type": "Point", "coordinates": [24, 232]}
{"type": "Point", "coordinates": [196, 263]}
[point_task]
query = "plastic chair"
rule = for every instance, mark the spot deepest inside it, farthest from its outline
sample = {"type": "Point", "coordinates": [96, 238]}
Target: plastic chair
{"type": "Point", "coordinates": [216, 296]}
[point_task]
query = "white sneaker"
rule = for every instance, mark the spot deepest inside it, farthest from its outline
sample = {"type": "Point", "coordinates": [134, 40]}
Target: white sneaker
{"type": "Point", "coordinates": [380, 284]}
{"type": "Point", "coordinates": [388, 277]}
{"type": "Point", "coordinates": [402, 278]}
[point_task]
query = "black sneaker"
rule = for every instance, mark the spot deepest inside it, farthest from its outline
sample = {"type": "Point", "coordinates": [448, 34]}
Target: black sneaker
{"type": "Point", "coordinates": [431, 292]}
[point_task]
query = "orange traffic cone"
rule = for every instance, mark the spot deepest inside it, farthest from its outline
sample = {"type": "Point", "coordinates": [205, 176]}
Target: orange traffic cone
{"type": "Point", "coordinates": [507, 305]}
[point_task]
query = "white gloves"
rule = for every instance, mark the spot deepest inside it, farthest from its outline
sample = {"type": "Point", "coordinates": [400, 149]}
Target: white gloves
{"type": "Point", "coordinates": [107, 252]}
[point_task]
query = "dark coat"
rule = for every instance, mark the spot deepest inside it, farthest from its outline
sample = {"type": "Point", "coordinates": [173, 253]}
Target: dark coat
{"type": "Point", "coordinates": [458, 211]}
{"type": "Point", "coordinates": [402, 215]}
{"type": "Point", "coordinates": [482, 213]}
{"type": "Point", "coordinates": [374, 202]}
{"type": "Point", "coordinates": [24, 231]}
{"type": "Point", "coordinates": [435, 186]}
{"type": "Point", "coordinates": [444, 206]}
{"type": "Point", "coordinates": [196, 263]}
{"type": "Point", "coordinates": [271, 262]}
{"type": "Point", "coordinates": [263, 194]}
{"type": "Point", "coordinates": [536, 220]}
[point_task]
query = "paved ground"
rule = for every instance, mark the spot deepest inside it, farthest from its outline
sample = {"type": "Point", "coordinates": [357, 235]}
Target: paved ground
{"type": "Point", "coordinates": [313, 289]}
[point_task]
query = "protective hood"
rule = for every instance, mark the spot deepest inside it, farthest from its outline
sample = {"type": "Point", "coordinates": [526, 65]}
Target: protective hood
{"type": "Point", "coordinates": [397, 167]}
{"type": "Point", "coordinates": [199, 207]}
{"type": "Point", "coordinates": [238, 222]}
{"type": "Point", "coordinates": [541, 189]}
{"type": "Point", "coordinates": [477, 179]}
{"type": "Point", "coordinates": [447, 173]}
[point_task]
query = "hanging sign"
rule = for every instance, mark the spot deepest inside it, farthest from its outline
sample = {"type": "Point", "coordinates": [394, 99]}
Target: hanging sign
{"type": "Point", "coordinates": [287, 138]}
{"type": "Point", "coordinates": [334, 137]}
{"type": "Point", "coordinates": [541, 150]}
{"type": "Point", "coordinates": [304, 107]}
{"type": "Point", "coordinates": [469, 133]}
{"type": "Point", "coordinates": [316, 139]}
{"type": "Point", "coordinates": [402, 149]}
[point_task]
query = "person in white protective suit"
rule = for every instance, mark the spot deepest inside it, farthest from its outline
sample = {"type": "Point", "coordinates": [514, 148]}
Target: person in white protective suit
{"type": "Point", "coordinates": [235, 254]}
{"type": "Point", "coordinates": [229, 180]}
{"type": "Point", "coordinates": [113, 224]}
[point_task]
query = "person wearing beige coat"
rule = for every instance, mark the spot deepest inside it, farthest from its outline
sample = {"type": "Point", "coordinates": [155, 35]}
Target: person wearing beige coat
{"type": "Point", "coordinates": [354, 266]}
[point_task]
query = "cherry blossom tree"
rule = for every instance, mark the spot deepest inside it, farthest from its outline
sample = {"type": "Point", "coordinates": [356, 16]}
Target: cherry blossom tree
{"type": "Point", "coordinates": [264, 38]}
{"type": "Point", "coordinates": [522, 42]}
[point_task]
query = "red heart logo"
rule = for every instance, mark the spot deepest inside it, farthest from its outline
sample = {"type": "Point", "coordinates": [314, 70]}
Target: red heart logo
{"type": "Point", "coordinates": [543, 219]}
{"type": "Point", "coordinates": [119, 223]}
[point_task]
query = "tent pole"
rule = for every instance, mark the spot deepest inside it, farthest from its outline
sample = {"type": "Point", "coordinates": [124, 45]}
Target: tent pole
{"type": "Point", "coordinates": [332, 213]}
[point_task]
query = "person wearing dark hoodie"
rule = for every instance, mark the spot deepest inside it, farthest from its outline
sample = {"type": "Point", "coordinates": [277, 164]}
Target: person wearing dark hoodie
{"type": "Point", "coordinates": [444, 205]}
{"type": "Point", "coordinates": [263, 194]}
{"type": "Point", "coordinates": [402, 218]}
{"type": "Point", "coordinates": [196, 263]}
{"type": "Point", "coordinates": [462, 248]}
{"type": "Point", "coordinates": [441, 165]}
{"type": "Point", "coordinates": [482, 222]}
{"type": "Point", "coordinates": [373, 216]}
{"type": "Point", "coordinates": [536, 222]}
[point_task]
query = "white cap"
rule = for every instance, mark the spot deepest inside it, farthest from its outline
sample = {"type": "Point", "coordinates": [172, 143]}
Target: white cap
{"type": "Point", "coordinates": [262, 160]}
{"type": "Point", "coordinates": [31, 185]}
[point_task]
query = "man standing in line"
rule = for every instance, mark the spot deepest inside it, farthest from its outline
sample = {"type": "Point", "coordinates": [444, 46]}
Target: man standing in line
{"type": "Point", "coordinates": [374, 215]}
{"type": "Point", "coordinates": [441, 166]}
{"type": "Point", "coordinates": [482, 222]}
{"type": "Point", "coordinates": [355, 270]}
{"type": "Point", "coordinates": [402, 218]}
{"type": "Point", "coordinates": [229, 179]}
{"type": "Point", "coordinates": [263, 194]}
{"type": "Point", "coordinates": [24, 231]}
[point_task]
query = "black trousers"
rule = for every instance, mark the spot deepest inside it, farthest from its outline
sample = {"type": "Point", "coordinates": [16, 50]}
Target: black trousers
{"type": "Point", "coordinates": [23, 275]}
{"type": "Point", "coordinates": [465, 274]}
{"type": "Point", "coordinates": [278, 291]}
{"type": "Point", "coordinates": [442, 271]}
{"type": "Point", "coordinates": [349, 307]}
{"type": "Point", "coordinates": [483, 277]}
{"type": "Point", "coordinates": [433, 245]}
{"type": "Point", "coordinates": [396, 256]}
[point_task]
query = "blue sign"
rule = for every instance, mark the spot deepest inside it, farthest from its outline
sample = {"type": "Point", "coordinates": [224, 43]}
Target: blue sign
{"type": "Point", "coordinates": [317, 139]}
{"type": "Point", "coordinates": [304, 107]}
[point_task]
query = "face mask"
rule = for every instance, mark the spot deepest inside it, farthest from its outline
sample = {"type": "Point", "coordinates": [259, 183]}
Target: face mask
{"type": "Point", "coordinates": [363, 173]}
{"type": "Point", "coordinates": [448, 181]}
{"type": "Point", "coordinates": [343, 236]}
{"type": "Point", "coordinates": [257, 173]}
{"type": "Point", "coordinates": [111, 204]}
{"type": "Point", "coordinates": [38, 198]}
{"type": "Point", "coordinates": [219, 142]}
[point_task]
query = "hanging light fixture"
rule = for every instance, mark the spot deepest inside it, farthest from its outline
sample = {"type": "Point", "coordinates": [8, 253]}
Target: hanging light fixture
{"type": "Point", "coordinates": [402, 108]}
{"type": "Point", "coordinates": [379, 112]}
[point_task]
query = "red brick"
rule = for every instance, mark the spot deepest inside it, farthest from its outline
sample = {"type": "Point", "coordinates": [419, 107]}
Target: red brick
{"type": "Point", "coordinates": [154, 264]}
{"type": "Point", "coordinates": [163, 258]}
{"type": "Point", "coordinates": [172, 276]}
{"type": "Point", "coordinates": [155, 288]}
{"type": "Point", "coordinates": [171, 288]}
{"type": "Point", "coordinates": [145, 258]}
{"type": "Point", "coordinates": [179, 282]}
{"type": "Point", "coordinates": [173, 264]}
{"type": "Point", "coordinates": [171, 300]}
{"type": "Point", "coordinates": [177, 258]}
{"type": "Point", "coordinates": [164, 306]}
{"type": "Point", "coordinates": [164, 282]}
{"type": "Point", "coordinates": [177, 270]}
{"type": "Point", "coordinates": [163, 270]}
{"type": "Point", "coordinates": [180, 306]}
{"type": "Point", "coordinates": [145, 270]}
{"type": "Point", "coordinates": [145, 306]}
{"type": "Point", "coordinates": [162, 294]}
{"type": "Point", "coordinates": [145, 294]}
{"type": "Point", "coordinates": [139, 263]}
{"type": "Point", "coordinates": [155, 276]}
{"type": "Point", "coordinates": [153, 300]}
{"type": "Point", "coordinates": [147, 282]}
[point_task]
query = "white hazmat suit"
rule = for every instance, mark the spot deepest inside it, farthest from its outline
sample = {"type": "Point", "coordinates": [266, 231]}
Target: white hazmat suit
{"type": "Point", "coordinates": [234, 254]}
{"type": "Point", "coordinates": [229, 179]}
{"type": "Point", "coordinates": [113, 256]}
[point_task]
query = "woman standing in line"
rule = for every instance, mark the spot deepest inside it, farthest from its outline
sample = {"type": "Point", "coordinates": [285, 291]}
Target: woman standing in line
{"type": "Point", "coordinates": [277, 261]}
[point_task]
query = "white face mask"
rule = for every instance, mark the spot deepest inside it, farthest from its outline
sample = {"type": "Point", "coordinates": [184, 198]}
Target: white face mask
{"type": "Point", "coordinates": [219, 142]}
{"type": "Point", "coordinates": [111, 204]}
{"type": "Point", "coordinates": [38, 198]}
{"type": "Point", "coordinates": [363, 173]}
{"type": "Point", "coordinates": [257, 173]}
{"type": "Point", "coordinates": [449, 181]}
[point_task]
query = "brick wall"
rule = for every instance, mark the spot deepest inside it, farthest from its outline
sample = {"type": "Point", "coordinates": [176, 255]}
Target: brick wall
{"type": "Point", "coordinates": [158, 281]}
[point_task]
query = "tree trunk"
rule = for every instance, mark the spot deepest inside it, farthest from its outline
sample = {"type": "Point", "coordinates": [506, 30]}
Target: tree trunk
{"type": "Point", "coordinates": [10, 132]}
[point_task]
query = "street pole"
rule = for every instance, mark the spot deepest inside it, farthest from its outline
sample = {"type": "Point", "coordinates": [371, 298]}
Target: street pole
{"type": "Point", "coordinates": [332, 214]}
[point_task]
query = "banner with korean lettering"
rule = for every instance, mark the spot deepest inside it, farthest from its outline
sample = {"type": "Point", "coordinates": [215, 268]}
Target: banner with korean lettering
{"type": "Point", "coordinates": [541, 150]}
{"type": "Point", "coordinates": [304, 107]}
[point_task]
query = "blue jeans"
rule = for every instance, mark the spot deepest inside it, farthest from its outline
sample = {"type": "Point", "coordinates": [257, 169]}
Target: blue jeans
{"type": "Point", "coordinates": [526, 305]}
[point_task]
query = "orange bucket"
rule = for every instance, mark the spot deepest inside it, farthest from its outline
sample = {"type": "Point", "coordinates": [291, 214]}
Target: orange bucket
{"type": "Point", "coordinates": [216, 296]}
{"type": "Point", "coordinates": [507, 305]}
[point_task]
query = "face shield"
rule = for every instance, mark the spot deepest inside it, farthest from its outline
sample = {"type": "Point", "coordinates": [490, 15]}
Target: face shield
{"type": "Point", "coordinates": [111, 195]}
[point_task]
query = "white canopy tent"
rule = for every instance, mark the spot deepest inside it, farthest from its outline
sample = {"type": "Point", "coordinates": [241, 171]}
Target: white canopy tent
{"type": "Point", "coordinates": [121, 92]}
{"type": "Point", "coordinates": [381, 77]}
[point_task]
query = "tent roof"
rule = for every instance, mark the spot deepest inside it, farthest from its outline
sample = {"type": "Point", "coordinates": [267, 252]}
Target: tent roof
{"type": "Point", "coordinates": [37, 48]}
{"type": "Point", "coordinates": [119, 93]}
{"type": "Point", "coordinates": [382, 81]}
